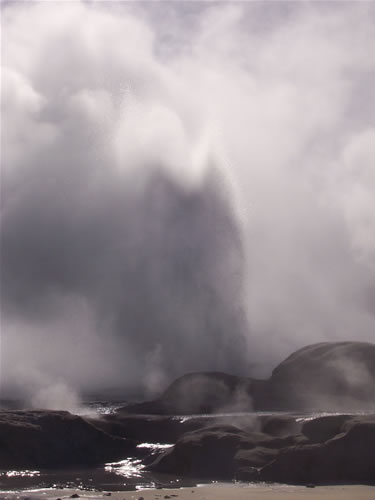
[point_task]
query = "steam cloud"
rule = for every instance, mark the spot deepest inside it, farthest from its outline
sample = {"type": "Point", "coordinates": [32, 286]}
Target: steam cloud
{"type": "Point", "coordinates": [187, 186]}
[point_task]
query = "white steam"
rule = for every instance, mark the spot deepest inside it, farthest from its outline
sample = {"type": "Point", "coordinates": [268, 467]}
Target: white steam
{"type": "Point", "coordinates": [186, 186]}
{"type": "Point", "coordinates": [56, 397]}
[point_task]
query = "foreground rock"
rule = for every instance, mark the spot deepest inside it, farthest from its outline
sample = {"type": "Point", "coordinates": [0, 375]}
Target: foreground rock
{"type": "Point", "coordinates": [327, 450]}
{"type": "Point", "coordinates": [220, 448]}
{"type": "Point", "coordinates": [346, 457]}
{"type": "Point", "coordinates": [330, 376]}
{"type": "Point", "coordinates": [48, 439]}
{"type": "Point", "coordinates": [219, 452]}
{"type": "Point", "coordinates": [167, 429]}
{"type": "Point", "coordinates": [146, 428]}
{"type": "Point", "coordinates": [281, 448]}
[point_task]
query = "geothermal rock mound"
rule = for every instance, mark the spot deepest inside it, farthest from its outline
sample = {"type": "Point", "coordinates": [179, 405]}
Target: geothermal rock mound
{"type": "Point", "coordinates": [326, 376]}
{"type": "Point", "coordinates": [331, 376]}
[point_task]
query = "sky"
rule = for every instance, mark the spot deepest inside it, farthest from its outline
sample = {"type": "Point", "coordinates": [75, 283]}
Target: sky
{"type": "Point", "coordinates": [185, 186]}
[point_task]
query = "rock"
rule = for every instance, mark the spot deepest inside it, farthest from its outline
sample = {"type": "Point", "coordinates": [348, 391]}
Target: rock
{"type": "Point", "coordinates": [228, 446]}
{"type": "Point", "coordinates": [231, 453]}
{"type": "Point", "coordinates": [348, 456]}
{"type": "Point", "coordinates": [330, 376]}
{"type": "Point", "coordinates": [218, 452]}
{"type": "Point", "coordinates": [144, 428]}
{"type": "Point", "coordinates": [325, 376]}
{"type": "Point", "coordinates": [256, 457]}
{"type": "Point", "coordinates": [207, 455]}
{"type": "Point", "coordinates": [48, 439]}
{"type": "Point", "coordinates": [319, 430]}
{"type": "Point", "coordinates": [199, 393]}
{"type": "Point", "coordinates": [168, 429]}
{"type": "Point", "coordinates": [280, 425]}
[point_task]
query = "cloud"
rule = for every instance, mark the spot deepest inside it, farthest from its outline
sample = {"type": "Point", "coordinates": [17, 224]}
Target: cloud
{"type": "Point", "coordinates": [183, 190]}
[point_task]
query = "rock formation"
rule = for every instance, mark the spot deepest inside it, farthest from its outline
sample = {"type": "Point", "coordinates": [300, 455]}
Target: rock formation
{"type": "Point", "coordinates": [330, 376]}
{"type": "Point", "coordinates": [326, 376]}
{"type": "Point", "coordinates": [235, 442]}
{"type": "Point", "coordinates": [48, 439]}
{"type": "Point", "coordinates": [329, 450]}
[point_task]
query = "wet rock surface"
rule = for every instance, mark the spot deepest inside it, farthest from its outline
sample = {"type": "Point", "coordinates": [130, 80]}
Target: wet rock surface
{"type": "Point", "coordinates": [329, 449]}
{"type": "Point", "coordinates": [50, 439]}
{"type": "Point", "coordinates": [345, 454]}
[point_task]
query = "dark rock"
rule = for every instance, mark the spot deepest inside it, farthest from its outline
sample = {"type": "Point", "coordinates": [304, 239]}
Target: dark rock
{"type": "Point", "coordinates": [145, 428]}
{"type": "Point", "coordinates": [319, 430]}
{"type": "Point", "coordinates": [256, 457]}
{"type": "Point", "coordinates": [347, 457]}
{"type": "Point", "coordinates": [168, 429]}
{"type": "Point", "coordinates": [218, 452]}
{"type": "Point", "coordinates": [280, 425]}
{"type": "Point", "coordinates": [48, 439]}
{"type": "Point", "coordinates": [209, 455]}
{"type": "Point", "coordinates": [329, 376]}
{"type": "Point", "coordinates": [229, 452]}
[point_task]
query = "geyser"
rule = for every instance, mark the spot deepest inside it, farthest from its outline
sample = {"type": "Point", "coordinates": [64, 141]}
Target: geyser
{"type": "Point", "coordinates": [187, 187]}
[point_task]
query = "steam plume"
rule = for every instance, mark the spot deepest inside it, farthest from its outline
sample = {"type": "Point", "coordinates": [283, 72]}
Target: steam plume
{"type": "Point", "coordinates": [183, 188]}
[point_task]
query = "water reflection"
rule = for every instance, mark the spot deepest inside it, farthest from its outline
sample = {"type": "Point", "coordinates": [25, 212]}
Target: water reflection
{"type": "Point", "coordinates": [20, 473]}
{"type": "Point", "coordinates": [127, 468]}
{"type": "Point", "coordinates": [154, 446]}
{"type": "Point", "coordinates": [133, 467]}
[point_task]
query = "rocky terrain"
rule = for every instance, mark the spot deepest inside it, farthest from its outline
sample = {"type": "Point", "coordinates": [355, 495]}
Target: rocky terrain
{"type": "Point", "coordinates": [330, 449]}
{"type": "Point", "coordinates": [289, 448]}
{"type": "Point", "coordinates": [325, 450]}
{"type": "Point", "coordinates": [49, 439]}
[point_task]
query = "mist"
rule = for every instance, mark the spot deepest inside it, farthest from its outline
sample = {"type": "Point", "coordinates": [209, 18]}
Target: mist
{"type": "Point", "coordinates": [185, 186]}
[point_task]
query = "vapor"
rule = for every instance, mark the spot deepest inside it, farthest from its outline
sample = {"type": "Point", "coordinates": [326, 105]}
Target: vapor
{"type": "Point", "coordinates": [187, 186]}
